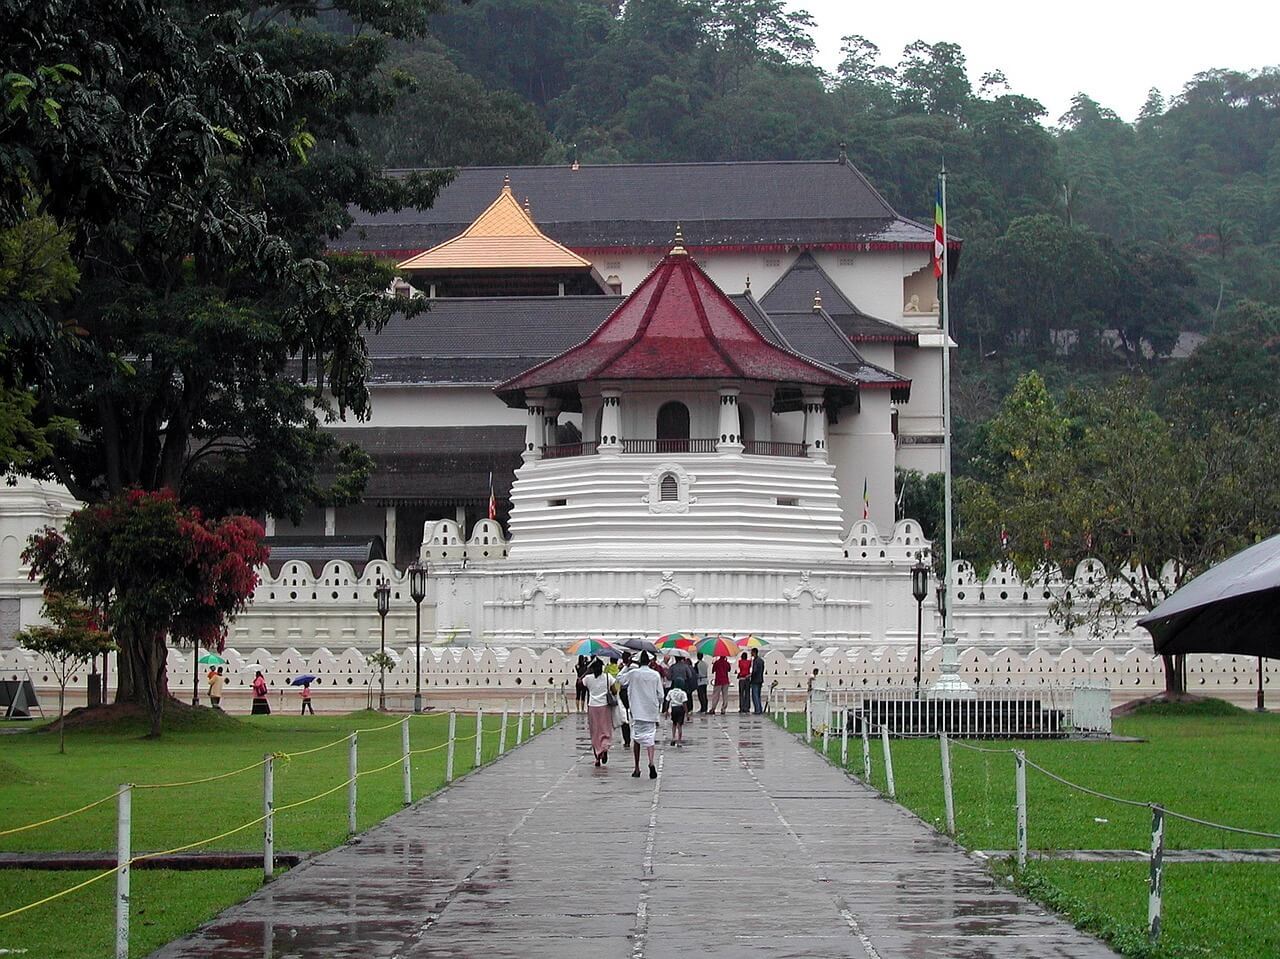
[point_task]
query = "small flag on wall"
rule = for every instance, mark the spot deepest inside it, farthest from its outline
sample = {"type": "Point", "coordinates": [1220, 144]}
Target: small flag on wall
{"type": "Point", "coordinates": [493, 502]}
{"type": "Point", "coordinates": [1004, 539]}
{"type": "Point", "coordinates": [866, 500]}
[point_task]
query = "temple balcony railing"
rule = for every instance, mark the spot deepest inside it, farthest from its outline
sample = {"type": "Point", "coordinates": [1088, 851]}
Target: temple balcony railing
{"type": "Point", "coordinates": [563, 450]}
{"type": "Point", "coordinates": [750, 447]}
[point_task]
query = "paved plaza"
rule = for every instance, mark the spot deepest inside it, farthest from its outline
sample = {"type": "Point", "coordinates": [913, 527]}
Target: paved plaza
{"type": "Point", "coordinates": [748, 844]}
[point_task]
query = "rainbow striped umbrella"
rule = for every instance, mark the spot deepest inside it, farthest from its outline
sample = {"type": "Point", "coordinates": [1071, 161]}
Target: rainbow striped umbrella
{"type": "Point", "coordinates": [676, 641]}
{"type": "Point", "coordinates": [718, 646]}
{"type": "Point", "coordinates": [751, 642]}
{"type": "Point", "coordinates": [593, 647]}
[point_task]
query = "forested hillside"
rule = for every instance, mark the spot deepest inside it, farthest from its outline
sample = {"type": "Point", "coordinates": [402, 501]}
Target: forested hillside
{"type": "Point", "coordinates": [1073, 226]}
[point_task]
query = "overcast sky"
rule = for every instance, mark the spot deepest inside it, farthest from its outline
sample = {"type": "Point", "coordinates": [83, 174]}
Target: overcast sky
{"type": "Point", "coordinates": [1114, 51]}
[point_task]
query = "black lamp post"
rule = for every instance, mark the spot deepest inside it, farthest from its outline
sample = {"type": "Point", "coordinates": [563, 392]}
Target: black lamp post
{"type": "Point", "coordinates": [940, 596]}
{"type": "Point", "coordinates": [1262, 696]}
{"type": "Point", "coordinates": [919, 589]}
{"type": "Point", "coordinates": [418, 590]}
{"type": "Point", "coordinates": [382, 592]}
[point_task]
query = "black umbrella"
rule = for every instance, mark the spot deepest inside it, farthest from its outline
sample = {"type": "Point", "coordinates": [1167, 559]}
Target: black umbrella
{"type": "Point", "coordinates": [1232, 608]}
{"type": "Point", "coordinates": [639, 645]}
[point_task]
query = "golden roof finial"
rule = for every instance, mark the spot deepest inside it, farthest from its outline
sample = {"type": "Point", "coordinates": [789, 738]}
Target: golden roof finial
{"type": "Point", "coordinates": [526, 207]}
{"type": "Point", "coordinates": [817, 300]}
{"type": "Point", "coordinates": [748, 289]}
{"type": "Point", "coordinates": [506, 183]}
{"type": "Point", "coordinates": [678, 249]}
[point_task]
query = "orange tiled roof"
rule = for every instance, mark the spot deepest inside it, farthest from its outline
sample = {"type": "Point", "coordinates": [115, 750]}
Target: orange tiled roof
{"type": "Point", "coordinates": [504, 236]}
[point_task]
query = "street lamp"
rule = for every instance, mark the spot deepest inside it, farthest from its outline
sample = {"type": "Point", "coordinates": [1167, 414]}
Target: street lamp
{"type": "Point", "coordinates": [1262, 696]}
{"type": "Point", "coordinates": [940, 597]}
{"type": "Point", "coordinates": [919, 589]}
{"type": "Point", "coordinates": [418, 590]}
{"type": "Point", "coordinates": [382, 592]}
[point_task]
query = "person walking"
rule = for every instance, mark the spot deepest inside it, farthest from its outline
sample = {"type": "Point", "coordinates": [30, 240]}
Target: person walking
{"type": "Point", "coordinates": [623, 713]}
{"type": "Point", "coordinates": [216, 681]}
{"type": "Point", "coordinates": [757, 681]}
{"type": "Point", "coordinates": [261, 707]}
{"type": "Point", "coordinates": [679, 705]}
{"type": "Point", "coordinates": [306, 700]}
{"type": "Point", "coordinates": [684, 676]}
{"type": "Point", "coordinates": [579, 690]}
{"type": "Point", "coordinates": [720, 683]}
{"type": "Point", "coordinates": [644, 692]}
{"type": "Point", "coordinates": [599, 711]}
{"type": "Point", "coordinates": [664, 671]}
{"type": "Point", "coordinates": [703, 670]}
{"type": "Point", "coordinates": [744, 683]}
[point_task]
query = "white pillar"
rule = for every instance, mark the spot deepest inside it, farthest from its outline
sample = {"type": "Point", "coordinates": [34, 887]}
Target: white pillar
{"type": "Point", "coordinates": [730, 438]}
{"type": "Point", "coordinates": [389, 536]}
{"type": "Point", "coordinates": [815, 426]}
{"type": "Point", "coordinates": [611, 421]}
{"type": "Point", "coordinates": [533, 428]}
{"type": "Point", "coordinates": [550, 422]}
{"type": "Point", "coordinates": [270, 525]}
{"type": "Point", "coordinates": [460, 517]}
{"type": "Point", "coordinates": [330, 520]}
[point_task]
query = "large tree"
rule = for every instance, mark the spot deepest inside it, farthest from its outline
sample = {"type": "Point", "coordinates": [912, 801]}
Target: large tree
{"type": "Point", "coordinates": [1102, 475]}
{"type": "Point", "coordinates": [198, 156]}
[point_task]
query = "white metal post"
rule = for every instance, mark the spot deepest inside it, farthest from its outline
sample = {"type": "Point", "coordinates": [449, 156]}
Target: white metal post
{"type": "Point", "coordinates": [1020, 767]}
{"type": "Point", "coordinates": [826, 738]}
{"type": "Point", "coordinates": [502, 734]}
{"type": "Point", "coordinates": [866, 750]}
{"type": "Point", "coordinates": [545, 695]}
{"type": "Point", "coordinates": [479, 736]}
{"type": "Point", "coordinates": [406, 764]}
{"type": "Point", "coordinates": [352, 766]}
{"type": "Point", "coordinates": [844, 737]}
{"type": "Point", "coordinates": [948, 799]}
{"type": "Point", "coordinates": [453, 732]}
{"type": "Point", "coordinates": [124, 817]}
{"type": "Point", "coordinates": [268, 822]}
{"type": "Point", "coordinates": [888, 762]}
{"type": "Point", "coordinates": [1155, 891]}
{"type": "Point", "coordinates": [808, 721]}
{"type": "Point", "coordinates": [520, 723]}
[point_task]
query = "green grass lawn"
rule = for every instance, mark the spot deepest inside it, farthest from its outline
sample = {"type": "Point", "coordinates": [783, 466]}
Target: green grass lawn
{"type": "Point", "coordinates": [35, 782]}
{"type": "Point", "coordinates": [1219, 767]}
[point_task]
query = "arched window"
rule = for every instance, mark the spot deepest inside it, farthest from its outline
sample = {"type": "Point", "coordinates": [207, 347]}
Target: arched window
{"type": "Point", "coordinates": [673, 428]}
{"type": "Point", "coordinates": [668, 488]}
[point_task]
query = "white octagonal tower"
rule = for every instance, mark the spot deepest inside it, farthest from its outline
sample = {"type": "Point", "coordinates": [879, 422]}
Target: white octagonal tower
{"type": "Point", "coordinates": [679, 393]}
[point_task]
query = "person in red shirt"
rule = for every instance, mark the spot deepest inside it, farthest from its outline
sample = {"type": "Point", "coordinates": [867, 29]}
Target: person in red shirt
{"type": "Point", "coordinates": [720, 684]}
{"type": "Point", "coordinates": [744, 683]}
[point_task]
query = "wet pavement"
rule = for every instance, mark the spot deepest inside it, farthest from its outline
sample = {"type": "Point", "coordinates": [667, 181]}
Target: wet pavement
{"type": "Point", "coordinates": [748, 844]}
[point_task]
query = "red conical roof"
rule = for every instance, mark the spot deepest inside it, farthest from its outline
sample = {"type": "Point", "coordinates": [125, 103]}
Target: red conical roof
{"type": "Point", "coordinates": [676, 325]}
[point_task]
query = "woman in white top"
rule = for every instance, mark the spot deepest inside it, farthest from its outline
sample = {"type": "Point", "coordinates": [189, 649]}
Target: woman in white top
{"type": "Point", "coordinates": [599, 712]}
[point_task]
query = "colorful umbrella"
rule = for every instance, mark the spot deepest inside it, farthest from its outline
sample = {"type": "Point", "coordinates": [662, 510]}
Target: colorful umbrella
{"type": "Point", "coordinates": [593, 647]}
{"type": "Point", "coordinates": [718, 646]}
{"type": "Point", "coordinates": [212, 659]}
{"type": "Point", "coordinates": [751, 642]}
{"type": "Point", "coordinates": [677, 641]}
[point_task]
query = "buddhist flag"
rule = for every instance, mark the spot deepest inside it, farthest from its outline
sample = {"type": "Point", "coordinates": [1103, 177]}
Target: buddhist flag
{"type": "Point", "coordinates": [939, 233]}
{"type": "Point", "coordinates": [493, 502]}
{"type": "Point", "coordinates": [866, 500]}
{"type": "Point", "coordinates": [1004, 539]}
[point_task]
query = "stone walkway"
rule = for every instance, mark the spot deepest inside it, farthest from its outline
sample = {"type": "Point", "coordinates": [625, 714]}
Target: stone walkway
{"type": "Point", "coordinates": [748, 844]}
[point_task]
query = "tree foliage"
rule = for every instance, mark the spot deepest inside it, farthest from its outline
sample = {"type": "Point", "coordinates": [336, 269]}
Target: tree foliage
{"type": "Point", "coordinates": [71, 638]}
{"type": "Point", "coordinates": [160, 572]}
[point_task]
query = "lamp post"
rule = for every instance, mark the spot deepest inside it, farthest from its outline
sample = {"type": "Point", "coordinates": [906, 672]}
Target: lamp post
{"type": "Point", "coordinates": [1262, 696]}
{"type": "Point", "coordinates": [418, 590]}
{"type": "Point", "coordinates": [919, 589]}
{"type": "Point", "coordinates": [940, 597]}
{"type": "Point", "coordinates": [382, 592]}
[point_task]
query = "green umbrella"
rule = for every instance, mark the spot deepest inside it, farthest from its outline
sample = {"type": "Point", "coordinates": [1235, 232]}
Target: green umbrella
{"type": "Point", "coordinates": [212, 659]}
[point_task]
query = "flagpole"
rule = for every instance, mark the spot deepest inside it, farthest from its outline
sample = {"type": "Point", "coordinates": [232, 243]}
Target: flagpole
{"type": "Point", "coordinates": [950, 680]}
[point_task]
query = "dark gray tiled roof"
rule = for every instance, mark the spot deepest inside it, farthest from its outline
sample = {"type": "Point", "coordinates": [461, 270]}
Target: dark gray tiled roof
{"type": "Point", "coordinates": [815, 334]}
{"type": "Point", "coordinates": [318, 550]}
{"type": "Point", "coordinates": [638, 205]}
{"type": "Point", "coordinates": [794, 291]}
{"type": "Point", "coordinates": [488, 340]}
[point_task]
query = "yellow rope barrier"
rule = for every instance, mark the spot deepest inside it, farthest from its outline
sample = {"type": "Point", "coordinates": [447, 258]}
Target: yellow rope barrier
{"type": "Point", "coordinates": [65, 815]}
{"type": "Point", "coordinates": [206, 779]}
{"type": "Point", "coordinates": [369, 772]}
{"type": "Point", "coordinates": [302, 802]}
{"type": "Point", "coordinates": [201, 842]}
{"type": "Point", "coordinates": [58, 895]}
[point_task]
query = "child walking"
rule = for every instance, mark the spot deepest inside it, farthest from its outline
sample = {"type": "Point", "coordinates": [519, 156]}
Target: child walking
{"type": "Point", "coordinates": [306, 700]}
{"type": "Point", "coordinates": [678, 701]}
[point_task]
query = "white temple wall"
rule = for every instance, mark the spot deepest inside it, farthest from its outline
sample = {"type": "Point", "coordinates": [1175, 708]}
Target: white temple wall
{"type": "Point", "coordinates": [861, 448]}
{"type": "Point", "coordinates": [29, 505]}
{"type": "Point", "coordinates": [729, 271]}
{"type": "Point", "coordinates": [874, 282]}
{"type": "Point", "coordinates": [435, 405]}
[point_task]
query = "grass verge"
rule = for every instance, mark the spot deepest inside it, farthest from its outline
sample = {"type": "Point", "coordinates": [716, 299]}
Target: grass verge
{"type": "Point", "coordinates": [40, 782]}
{"type": "Point", "coordinates": [1198, 760]}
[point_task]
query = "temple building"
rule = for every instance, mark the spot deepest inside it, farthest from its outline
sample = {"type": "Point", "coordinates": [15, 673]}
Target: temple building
{"type": "Point", "coordinates": [517, 266]}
